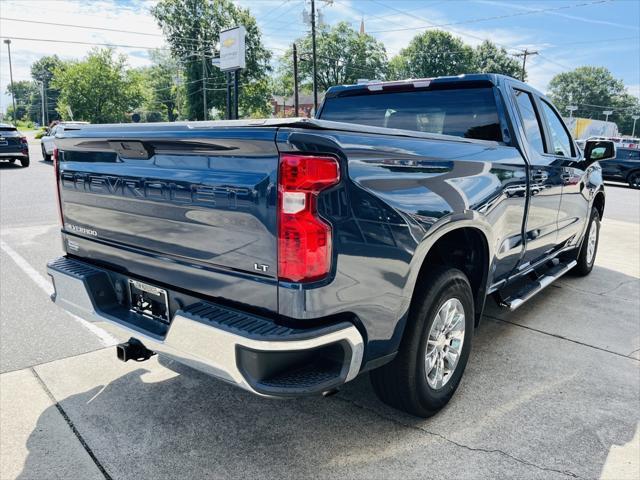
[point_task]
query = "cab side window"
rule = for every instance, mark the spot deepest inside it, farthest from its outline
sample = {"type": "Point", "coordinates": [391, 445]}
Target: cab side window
{"type": "Point", "coordinates": [530, 120]}
{"type": "Point", "coordinates": [560, 139]}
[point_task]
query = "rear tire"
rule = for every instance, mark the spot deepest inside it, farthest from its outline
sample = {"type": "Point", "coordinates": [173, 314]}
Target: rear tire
{"type": "Point", "coordinates": [634, 180]}
{"type": "Point", "coordinates": [409, 383]}
{"type": "Point", "coordinates": [589, 248]}
{"type": "Point", "coordinates": [24, 162]}
{"type": "Point", "coordinates": [45, 156]}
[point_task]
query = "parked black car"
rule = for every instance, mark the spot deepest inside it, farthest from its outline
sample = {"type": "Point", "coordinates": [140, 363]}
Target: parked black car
{"type": "Point", "coordinates": [13, 145]}
{"type": "Point", "coordinates": [624, 168]}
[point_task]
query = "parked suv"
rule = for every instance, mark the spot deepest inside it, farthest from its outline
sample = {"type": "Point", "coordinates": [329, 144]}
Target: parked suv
{"type": "Point", "coordinates": [13, 145]}
{"type": "Point", "coordinates": [624, 168]}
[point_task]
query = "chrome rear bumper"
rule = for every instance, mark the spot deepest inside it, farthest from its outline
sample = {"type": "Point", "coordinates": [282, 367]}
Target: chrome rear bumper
{"type": "Point", "coordinates": [243, 349]}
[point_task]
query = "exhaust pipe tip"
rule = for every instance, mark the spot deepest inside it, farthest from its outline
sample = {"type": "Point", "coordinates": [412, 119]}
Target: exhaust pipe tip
{"type": "Point", "coordinates": [133, 350]}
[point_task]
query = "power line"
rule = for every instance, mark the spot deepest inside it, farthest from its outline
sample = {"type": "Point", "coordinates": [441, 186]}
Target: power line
{"type": "Point", "coordinates": [434, 25]}
{"type": "Point", "coordinates": [486, 19]}
{"type": "Point", "coordinates": [78, 42]}
{"type": "Point", "coordinates": [105, 29]}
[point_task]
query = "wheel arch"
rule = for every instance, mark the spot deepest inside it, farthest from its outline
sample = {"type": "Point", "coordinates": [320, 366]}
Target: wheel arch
{"type": "Point", "coordinates": [635, 171]}
{"type": "Point", "coordinates": [598, 203]}
{"type": "Point", "coordinates": [450, 247]}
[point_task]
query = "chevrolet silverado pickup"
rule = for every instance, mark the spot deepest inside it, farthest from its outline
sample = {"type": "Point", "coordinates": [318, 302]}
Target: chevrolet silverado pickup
{"type": "Point", "coordinates": [288, 256]}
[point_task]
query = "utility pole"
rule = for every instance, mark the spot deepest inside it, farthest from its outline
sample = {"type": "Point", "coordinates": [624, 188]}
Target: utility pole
{"type": "Point", "coordinates": [13, 92]}
{"type": "Point", "coordinates": [236, 79]}
{"type": "Point", "coordinates": [42, 98]}
{"type": "Point", "coordinates": [313, 49]}
{"type": "Point", "coordinates": [573, 108]}
{"type": "Point", "coordinates": [46, 100]}
{"type": "Point", "coordinates": [204, 85]}
{"type": "Point", "coordinates": [606, 114]}
{"type": "Point", "coordinates": [635, 117]}
{"type": "Point", "coordinates": [524, 56]}
{"type": "Point", "coordinates": [227, 78]}
{"type": "Point", "coordinates": [296, 106]}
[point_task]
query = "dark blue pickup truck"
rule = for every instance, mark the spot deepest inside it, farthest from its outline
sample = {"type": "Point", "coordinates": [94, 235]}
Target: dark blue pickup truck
{"type": "Point", "coordinates": [289, 256]}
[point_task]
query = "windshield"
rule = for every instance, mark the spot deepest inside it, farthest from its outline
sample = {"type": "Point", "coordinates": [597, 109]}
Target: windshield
{"type": "Point", "coordinates": [469, 113]}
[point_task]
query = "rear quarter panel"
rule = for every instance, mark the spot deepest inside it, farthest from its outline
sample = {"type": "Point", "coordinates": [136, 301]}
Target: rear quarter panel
{"type": "Point", "coordinates": [400, 195]}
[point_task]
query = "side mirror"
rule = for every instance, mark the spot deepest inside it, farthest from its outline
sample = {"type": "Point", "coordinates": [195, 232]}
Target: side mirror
{"type": "Point", "coordinates": [595, 150]}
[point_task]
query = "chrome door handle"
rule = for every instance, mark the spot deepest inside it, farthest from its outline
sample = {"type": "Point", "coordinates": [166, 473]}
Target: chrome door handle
{"type": "Point", "coordinates": [540, 176]}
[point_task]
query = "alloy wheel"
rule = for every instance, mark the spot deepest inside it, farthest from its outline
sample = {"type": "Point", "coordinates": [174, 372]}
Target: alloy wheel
{"type": "Point", "coordinates": [444, 345]}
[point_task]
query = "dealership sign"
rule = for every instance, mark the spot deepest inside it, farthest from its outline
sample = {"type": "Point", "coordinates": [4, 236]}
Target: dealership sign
{"type": "Point", "coordinates": [232, 48]}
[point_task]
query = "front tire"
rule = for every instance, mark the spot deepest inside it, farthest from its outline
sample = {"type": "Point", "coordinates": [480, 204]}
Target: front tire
{"type": "Point", "coordinates": [45, 156]}
{"type": "Point", "coordinates": [589, 248]}
{"type": "Point", "coordinates": [435, 346]}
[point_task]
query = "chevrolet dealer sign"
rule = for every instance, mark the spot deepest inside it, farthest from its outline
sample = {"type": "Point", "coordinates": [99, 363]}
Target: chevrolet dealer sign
{"type": "Point", "coordinates": [232, 48]}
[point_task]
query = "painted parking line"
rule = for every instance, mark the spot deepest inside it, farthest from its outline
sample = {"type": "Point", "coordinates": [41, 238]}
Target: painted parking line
{"type": "Point", "coordinates": [105, 338]}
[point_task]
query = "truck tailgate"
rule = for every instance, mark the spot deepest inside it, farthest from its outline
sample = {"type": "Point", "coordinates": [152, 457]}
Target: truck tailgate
{"type": "Point", "coordinates": [182, 206]}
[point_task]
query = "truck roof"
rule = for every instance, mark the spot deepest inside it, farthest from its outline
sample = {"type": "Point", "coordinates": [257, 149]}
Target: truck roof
{"type": "Point", "coordinates": [467, 80]}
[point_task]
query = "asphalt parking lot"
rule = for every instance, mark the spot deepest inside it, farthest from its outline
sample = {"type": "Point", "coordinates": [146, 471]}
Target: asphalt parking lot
{"type": "Point", "coordinates": [551, 391]}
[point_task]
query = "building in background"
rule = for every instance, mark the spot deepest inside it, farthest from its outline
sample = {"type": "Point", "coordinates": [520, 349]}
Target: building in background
{"type": "Point", "coordinates": [284, 106]}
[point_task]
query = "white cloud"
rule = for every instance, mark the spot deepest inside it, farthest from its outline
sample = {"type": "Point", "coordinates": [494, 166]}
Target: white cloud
{"type": "Point", "coordinates": [103, 13]}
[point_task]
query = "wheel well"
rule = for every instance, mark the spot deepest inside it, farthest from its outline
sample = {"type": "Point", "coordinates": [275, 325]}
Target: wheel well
{"type": "Point", "coordinates": [632, 172]}
{"type": "Point", "coordinates": [598, 204]}
{"type": "Point", "coordinates": [465, 249]}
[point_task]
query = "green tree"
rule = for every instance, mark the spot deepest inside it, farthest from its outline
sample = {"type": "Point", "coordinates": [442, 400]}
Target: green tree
{"type": "Point", "coordinates": [192, 29]}
{"type": "Point", "coordinates": [98, 89]}
{"type": "Point", "coordinates": [22, 91]}
{"type": "Point", "coordinates": [343, 56]}
{"type": "Point", "coordinates": [42, 71]}
{"type": "Point", "coordinates": [488, 58]}
{"type": "Point", "coordinates": [433, 53]}
{"type": "Point", "coordinates": [593, 90]}
{"type": "Point", "coordinates": [163, 87]}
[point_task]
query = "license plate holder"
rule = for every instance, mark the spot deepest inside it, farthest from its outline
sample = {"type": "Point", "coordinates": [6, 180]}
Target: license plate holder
{"type": "Point", "coordinates": [149, 300]}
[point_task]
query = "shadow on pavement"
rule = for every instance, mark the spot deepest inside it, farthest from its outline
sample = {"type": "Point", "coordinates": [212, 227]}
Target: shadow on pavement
{"type": "Point", "coordinates": [10, 165]}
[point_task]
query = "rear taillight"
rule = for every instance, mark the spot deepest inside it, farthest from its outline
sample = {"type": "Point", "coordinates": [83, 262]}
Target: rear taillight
{"type": "Point", "coordinates": [56, 169]}
{"type": "Point", "coordinates": [24, 144]}
{"type": "Point", "coordinates": [304, 239]}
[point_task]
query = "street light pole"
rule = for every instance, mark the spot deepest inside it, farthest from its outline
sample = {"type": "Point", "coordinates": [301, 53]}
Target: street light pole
{"type": "Point", "coordinates": [313, 49]}
{"type": "Point", "coordinates": [635, 117]}
{"type": "Point", "coordinates": [13, 92]}
{"type": "Point", "coordinates": [606, 114]}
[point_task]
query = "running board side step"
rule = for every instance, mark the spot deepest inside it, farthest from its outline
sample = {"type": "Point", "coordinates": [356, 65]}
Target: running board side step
{"type": "Point", "coordinates": [533, 288]}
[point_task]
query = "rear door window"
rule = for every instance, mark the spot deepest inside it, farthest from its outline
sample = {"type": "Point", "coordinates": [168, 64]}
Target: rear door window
{"type": "Point", "coordinates": [468, 113]}
{"type": "Point", "coordinates": [530, 120]}
{"type": "Point", "coordinates": [627, 154]}
{"type": "Point", "coordinates": [560, 140]}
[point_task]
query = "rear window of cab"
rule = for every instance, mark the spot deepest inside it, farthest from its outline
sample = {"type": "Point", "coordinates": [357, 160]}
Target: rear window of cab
{"type": "Point", "coordinates": [468, 113]}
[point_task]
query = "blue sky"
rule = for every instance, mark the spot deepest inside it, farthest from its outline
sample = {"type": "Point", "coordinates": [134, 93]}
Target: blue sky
{"type": "Point", "coordinates": [567, 33]}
